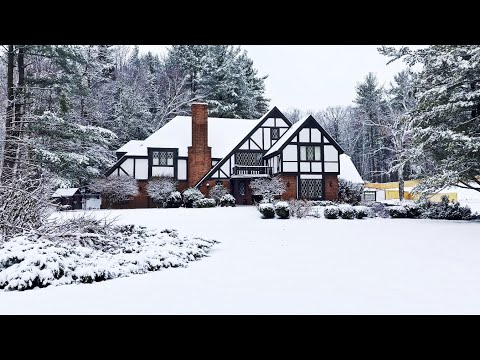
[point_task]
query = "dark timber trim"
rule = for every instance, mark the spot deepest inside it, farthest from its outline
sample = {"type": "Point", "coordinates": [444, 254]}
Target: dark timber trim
{"type": "Point", "coordinates": [175, 160]}
{"type": "Point", "coordinates": [120, 161]}
{"type": "Point", "coordinates": [274, 113]}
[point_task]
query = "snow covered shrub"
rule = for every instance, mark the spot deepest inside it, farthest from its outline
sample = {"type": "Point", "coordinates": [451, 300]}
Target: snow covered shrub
{"type": "Point", "coordinates": [267, 210]}
{"type": "Point", "coordinates": [269, 189]}
{"type": "Point", "coordinates": [190, 195]}
{"type": "Point", "coordinates": [397, 212]}
{"type": "Point", "coordinates": [361, 212]}
{"type": "Point", "coordinates": [445, 210]}
{"type": "Point", "coordinates": [85, 250]}
{"type": "Point", "coordinates": [299, 208]}
{"type": "Point", "coordinates": [349, 192]}
{"type": "Point", "coordinates": [24, 201]}
{"type": "Point", "coordinates": [379, 210]}
{"type": "Point", "coordinates": [227, 200]}
{"type": "Point", "coordinates": [331, 212]}
{"type": "Point", "coordinates": [217, 192]}
{"type": "Point", "coordinates": [320, 202]}
{"type": "Point", "coordinates": [174, 200]}
{"type": "Point", "coordinates": [115, 188]}
{"type": "Point", "coordinates": [204, 203]}
{"type": "Point", "coordinates": [347, 212]}
{"type": "Point", "coordinates": [413, 211]}
{"type": "Point", "coordinates": [159, 187]}
{"type": "Point", "coordinates": [282, 210]}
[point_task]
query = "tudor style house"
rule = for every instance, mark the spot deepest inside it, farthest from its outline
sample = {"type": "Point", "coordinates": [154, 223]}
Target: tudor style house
{"type": "Point", "coordinates": [201, 152]}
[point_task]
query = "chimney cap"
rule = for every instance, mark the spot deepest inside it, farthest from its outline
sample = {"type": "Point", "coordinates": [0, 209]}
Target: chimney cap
{"type": "Point", "coordinates": [199, 103]}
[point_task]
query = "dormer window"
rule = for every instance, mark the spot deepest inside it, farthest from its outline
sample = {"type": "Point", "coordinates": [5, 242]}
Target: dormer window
{"type": "Point", "coordinates": [275, 133]}
{"type": "Point", "coordinates": [162, 158]}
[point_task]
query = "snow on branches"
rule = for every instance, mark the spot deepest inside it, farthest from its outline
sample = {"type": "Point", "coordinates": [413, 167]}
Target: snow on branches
{"type": "Point", "coordinates": [159, 187]}
{"type": "Point", "coordinates": [268, 188]}
{"type": "Point", "coordinates": [115, 188]}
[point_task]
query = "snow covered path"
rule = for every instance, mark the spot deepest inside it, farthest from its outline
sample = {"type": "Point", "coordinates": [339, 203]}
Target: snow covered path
{"type": "Point", "coordinates": [295, 266]}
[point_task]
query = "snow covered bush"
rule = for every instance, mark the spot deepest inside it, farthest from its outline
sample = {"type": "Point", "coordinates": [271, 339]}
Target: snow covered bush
{"type": "Point", "coordinates": [268, 189]}
{"type": "Point", "coordinates": [190, 195]}
{"type": "Point", "coordinates": [347, 212]}
{"type": "Point", "coordinates": [204, 203]}
{"type": "Point", "coordinates": [331, 212]}
{"type": "Point", "coordinates": [86, 250]}
{"type": "Point", "coordinates": [159, 187]}
{"type": "Point", "coordinates": [320, 202]}
{"type": "Point", "coordinates": [349, 192]}
{"type": "Point", "coordinates": [174, 200]}
{"type": "Point", "coordinates": [379, 210]}
{"type": "Point", "coordinates": [24, 201]}
{"type": "Point", "coordinates": [299, 208]}
{"type": "Point", "coordinates": [282, 210]}
{"type": "Point", "coordinates": [397, 212]}
{"type": "Point", "coordinates": [217, 192]}
{"type": "Point", "coordinates": [227, 200]}
{"type": "Point", "coordinates": [361, 212]}
{"type": "Point", "coordinates": [267, 210]}
{"type": "Point", "coordinates": [445, 210]}
{"type": "Point", "coordinates": [115, 188]}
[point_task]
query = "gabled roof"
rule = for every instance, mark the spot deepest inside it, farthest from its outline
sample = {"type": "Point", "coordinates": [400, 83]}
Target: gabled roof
{"type": "Point", "coordinates": [348, 171]}
{"type": "Point", "coordinates": [223, 134]}
{"type": "Point", "coordinates": [274, 112]}
{"type": "Point", "coordinates": [294, 130]}
{"type": "Point", "coordinates": [64, 192]}
{"type": "Point", "coordinates": [132, 144]}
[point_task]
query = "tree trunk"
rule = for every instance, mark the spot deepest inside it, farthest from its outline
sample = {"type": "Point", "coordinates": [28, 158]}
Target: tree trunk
{"type": "Point", "coordinates": [19, 101]}
{"type": "Point", "coordinates": [401, 184]}
{"type": "Point", "coordinates": [9, 147]}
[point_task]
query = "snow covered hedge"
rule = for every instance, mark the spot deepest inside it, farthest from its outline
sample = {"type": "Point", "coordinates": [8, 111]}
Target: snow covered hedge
{"type": "Point", "coordinates": [174, 200]}
{"type": "Point", "coordinates": [160, 187]}
{"type": "Point", "coordinates": [300, 208]}
{"type": "Point", "coordinates": [190, 195]}
{"type": "Point", "coordinates": [331, 212]}
{"type": "Point", "coordinates": [267, 210]}
{"type": "Point", "coordinates": [282, 210]}
{"type": "Point", "coordinates": [347, 212]}
{"type": "Point", "coordinates": [227, 200]}
{"type": "Point", "coordinates": [115, 188]}
{"type": "Point", "coordinates": [86, 250]}
{"type": "Point", "coordinates": [204, 203]}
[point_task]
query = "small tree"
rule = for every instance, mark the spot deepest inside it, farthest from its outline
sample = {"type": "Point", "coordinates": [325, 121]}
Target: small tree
{"type": "Point", "coordinates": [217, 192]}
{"type": "Point", "coordinates": [115, 188]}
{"type": "Point", "coordinates": [349, 192]}
{"type": "Point", "coordinates": [191, 195]}
{"type": "Point", "coordinates": [159, 187]}
{"type": "Point", "coordinates": [268, 188]}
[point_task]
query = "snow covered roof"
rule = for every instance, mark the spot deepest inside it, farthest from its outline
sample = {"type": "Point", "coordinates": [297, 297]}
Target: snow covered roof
{"type": "Point", "coordinates": [348, 171]}
{"type": "Point", "coordinates": [286, 136]}
{"type": "Point", "coordinates": [223, 135]}
{"type": "Point", "coordinates": [64, 192]}
{"type": "Point", "coordinates": [132, 144]}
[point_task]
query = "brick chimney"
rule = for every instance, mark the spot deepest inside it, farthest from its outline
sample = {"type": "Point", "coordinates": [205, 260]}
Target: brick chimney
{"type": "Point", "coordinates": [199, 154]}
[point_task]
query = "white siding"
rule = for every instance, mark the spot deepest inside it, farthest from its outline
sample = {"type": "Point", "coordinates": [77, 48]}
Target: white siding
{"type": "Point", "coordinates": [283, 131]}
{"type": "Point", "coordinates": [182, 169]}
{"type": "Point", "coordinates": [316, 135]}
{"type": "Point", "coordinates": [214, 162]}
{"type": "Point", "coordinates": [295, 139]}
{"type": "Point", "coordinates": [127, 165]}
{"type": "Point", "coordinates": [162, 170]}
{"type": "Point", "coordinates": [290, 167]}
{"type": "Point", "coordinates": [331, 154]}
{"type": "Point", "coordinates": [269, 122]}
{"type": "Point", "coordinates": [304, 135]}
{"type": "Point", "coordinates": [257, 137]}
{"type": "Point", "coordinates": [310, 176]}
{"type": "Point", "coordinates": [244, 145]}
{"type": "Point", "coordinates": [266, 134]}
{"type": "Point", "coordinates": [325, 140]}
{"type": "Point", "coordinates": [316, 167]}
{"type": "Point", "coordinates": [254, 146]}
{"type": "Point", "coordinates": [274, 164]}
{"type": "Point", "coordinates": [304, 167]}
{"type": "Point", "coordinates": [141, 169]}
{"type": "Point", "coordinates": [281, 123]}
{"type": "Point", "coordinates": [225, 169]}
{"type": "Point", "coordinates": [290, 153]}
{"type": "Point", "coordinates": [93, 203]}
{"type": "Point", "coordinates": [331, 167]}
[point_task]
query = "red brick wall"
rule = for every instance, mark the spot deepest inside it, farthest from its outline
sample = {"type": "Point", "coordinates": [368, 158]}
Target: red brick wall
{"type": "Point", "coordinates": [204, 189]}
{"type": "Point", "coordinates": [199, 154]}
{"type": "Point", "coordinates": [140, 201]}
{"type": "Point", "coordinates": [331, 187]}
{"type": "Point", "coordinates": [291, 192]}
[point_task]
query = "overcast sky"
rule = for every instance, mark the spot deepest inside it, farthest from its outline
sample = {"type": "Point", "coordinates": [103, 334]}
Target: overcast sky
{"type": "Point", "coordinates": [312, 77]}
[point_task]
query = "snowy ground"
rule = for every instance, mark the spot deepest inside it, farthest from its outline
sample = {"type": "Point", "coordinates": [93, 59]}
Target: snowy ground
{"type": "Point", "coordinates": [295, 266]}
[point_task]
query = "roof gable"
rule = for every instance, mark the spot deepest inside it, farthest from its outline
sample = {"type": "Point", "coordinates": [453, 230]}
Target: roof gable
{"type": "Point", "coordinates": [294, 130]}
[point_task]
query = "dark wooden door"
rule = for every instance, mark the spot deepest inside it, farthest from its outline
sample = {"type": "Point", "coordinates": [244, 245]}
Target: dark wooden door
{"type": "Point", "coordinates": [242, 191]}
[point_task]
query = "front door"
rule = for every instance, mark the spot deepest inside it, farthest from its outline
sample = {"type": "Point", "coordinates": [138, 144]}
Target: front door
{"type": "Point", "coordinates": [242, 191]}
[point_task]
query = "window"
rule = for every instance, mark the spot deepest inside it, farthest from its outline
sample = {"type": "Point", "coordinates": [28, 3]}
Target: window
{"type": "Point", "coordinates": [162, 158]}
{"type": "Point", "coordinates": [241, 188]}
{"type": "Point", "coordinates": [311, 188]}
{"type": "Point", "coordinates": [275, 133]}
{"type": "Point", "coordinates": [310, 153]}
{"type": "Point", "coordinates": [249, 158]}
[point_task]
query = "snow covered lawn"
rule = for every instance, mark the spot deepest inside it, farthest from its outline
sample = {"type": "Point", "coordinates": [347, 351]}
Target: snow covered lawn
{"type": "Point", "coordinates": [294, 266]}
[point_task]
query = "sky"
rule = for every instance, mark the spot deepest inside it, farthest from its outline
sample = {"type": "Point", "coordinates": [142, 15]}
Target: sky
{"type": "Point", "coordinates": [313, 77]}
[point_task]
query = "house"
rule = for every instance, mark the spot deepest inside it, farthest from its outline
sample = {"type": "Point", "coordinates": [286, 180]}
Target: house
{"type": "Point", "coordinates": [201, 152]}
